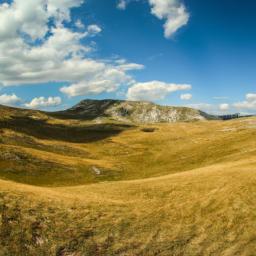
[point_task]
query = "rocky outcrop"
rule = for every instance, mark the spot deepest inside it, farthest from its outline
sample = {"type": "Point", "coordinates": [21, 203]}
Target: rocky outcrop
{"type": "Point", "coordinates": [131, 111]}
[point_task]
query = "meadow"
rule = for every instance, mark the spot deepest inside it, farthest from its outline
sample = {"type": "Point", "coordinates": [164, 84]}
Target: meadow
{"type": "Point", "coordinates": [72, 188]}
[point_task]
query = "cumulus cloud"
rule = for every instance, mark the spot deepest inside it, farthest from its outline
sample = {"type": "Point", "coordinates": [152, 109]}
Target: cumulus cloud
{"type": "Point", "coordinates": [249, 104]}
{"type": "Point", "coordinates": [224, 107]}
{"type": "Point", "coordinates": [154, 90]}
{"type": "Point", "coordinates": [173, 12]}
{"type": "Point", "coordinates": [11, 99]}
{"type": "Point", "coordinates": [186, 96]}
{"type": "Point", "coordinates": [44, 102]}
{"type": "Point", "coordinates": [34, 50]}
{"type": "Point", "coordinates": [31, 16]}
{"type": "Point", "coordinates": [107, 80]}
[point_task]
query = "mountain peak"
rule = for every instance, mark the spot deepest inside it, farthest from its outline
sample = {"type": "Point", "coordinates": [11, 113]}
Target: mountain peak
{"type": "Point", "coordinates": [131, 111]}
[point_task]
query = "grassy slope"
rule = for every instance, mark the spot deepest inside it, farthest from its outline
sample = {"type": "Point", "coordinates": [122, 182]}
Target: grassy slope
{"type": "Point", "coordinates": [39, 150]}
{"type": "Point", "coordinates": [204, 205]}
{"type": "Point", "coordinates": [210, 211]}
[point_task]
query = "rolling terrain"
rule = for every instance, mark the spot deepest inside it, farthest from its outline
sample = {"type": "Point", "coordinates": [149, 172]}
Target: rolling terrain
{"type": "Point", "coordinates": [71, 185]}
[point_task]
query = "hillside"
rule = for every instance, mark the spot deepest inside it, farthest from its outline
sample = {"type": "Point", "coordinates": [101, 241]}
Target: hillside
{"type": "Point", "coordinates": [80, 187]}
{"type": "Point", "coordinates": [131, 111]}
{"type": "Point", "coordinates": [39, 149]}
{"type": "Point", "coordinates": [208, 211]}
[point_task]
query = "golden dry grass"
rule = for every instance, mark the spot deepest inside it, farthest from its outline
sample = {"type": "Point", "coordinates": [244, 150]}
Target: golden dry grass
{"type": "Point", "coordinates": [184, 189]}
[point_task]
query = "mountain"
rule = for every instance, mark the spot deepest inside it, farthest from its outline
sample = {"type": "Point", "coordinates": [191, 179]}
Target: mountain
{"type": "Point", "coordinates": [78, 187]}
{"type": "Point", "coordinates": [132, 111]}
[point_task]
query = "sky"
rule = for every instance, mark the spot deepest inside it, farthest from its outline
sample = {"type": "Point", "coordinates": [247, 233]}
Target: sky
{"type": "Point", "coordinates": [195, 53]}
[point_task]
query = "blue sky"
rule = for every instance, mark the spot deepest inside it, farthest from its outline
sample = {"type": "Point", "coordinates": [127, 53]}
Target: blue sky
{"type": "Point", "coordinates": [191, 53]}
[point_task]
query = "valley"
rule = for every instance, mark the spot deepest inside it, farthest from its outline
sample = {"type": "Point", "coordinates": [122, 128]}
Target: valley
{"type": "Point", "coordinates": [73, 186]}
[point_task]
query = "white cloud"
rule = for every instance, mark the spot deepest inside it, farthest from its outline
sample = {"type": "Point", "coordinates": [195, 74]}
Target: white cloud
{"type": "Point", "coordinates": [106, 80]}
{"type": "Point", "coordinates": [79, 24]}
{"type": "Point", "coordinates": [59, 55]}
{"type": "Point", "coordinates": [130, 66]}
{"type": "Point", "coordinates": [154, 90]}
{"type": "Point", "coordinates": [93, 29]}
{"type": "Point", "coordinates": [251, 96]}
{"type": "Point", "coordinates": [59, 58]}
{"type": "Point", "coordinates": [12, 99]}
{"type": "Point", "coordinates": [249, 104]}
{"type": "Point", "coordinates": [126, 66]}
{"type": "Point", "coordinates": [27, 17]}
{"type": "Point", "coordinates": [31, 16]}
{"type": "Point", "coordinates": [60, 9]}
{"type": "Point", "coordinates": [120, 61]}
{"type": "Point", "coordinates": [121, 5]}
{"type": "Point", "coordinates": [44, 102]}
{"type": "Point", "coordinates": [214, 109]}
{"type": "Point", "coordinates": [173, 12]}
{"type": "Point", "coordinates": [224, 107]}
{"type": "Point", "coordinates": [186, 96]}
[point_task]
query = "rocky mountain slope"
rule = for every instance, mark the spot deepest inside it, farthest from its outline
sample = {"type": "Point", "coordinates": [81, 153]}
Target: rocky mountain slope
{"type": "Point", "coordinates": [132, 111]}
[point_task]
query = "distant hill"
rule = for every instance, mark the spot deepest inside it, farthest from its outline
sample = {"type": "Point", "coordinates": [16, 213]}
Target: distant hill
{"type": "Point", "coordinates": [132, 111]}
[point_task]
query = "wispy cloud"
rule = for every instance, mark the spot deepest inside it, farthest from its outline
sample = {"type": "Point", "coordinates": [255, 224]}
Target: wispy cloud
{"type": "Point", "coordinates": [220, 98]}
{"type": "Point", "coordinates": [186, 96]}
{"type": "Point", "coordinates": [121, 4]}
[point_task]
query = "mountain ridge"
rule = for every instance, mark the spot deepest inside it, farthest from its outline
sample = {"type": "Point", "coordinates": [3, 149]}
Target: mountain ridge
{"type": "Point", "coordinates": [132, 111]}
